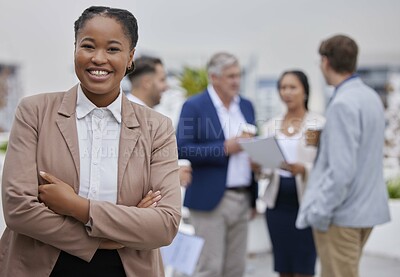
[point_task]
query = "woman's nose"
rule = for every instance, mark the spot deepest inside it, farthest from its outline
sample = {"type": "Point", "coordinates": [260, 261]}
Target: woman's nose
{"type": "Point", "coordinates": [284, 91]}
{"type": "Point", "coordinates": [99, 57]}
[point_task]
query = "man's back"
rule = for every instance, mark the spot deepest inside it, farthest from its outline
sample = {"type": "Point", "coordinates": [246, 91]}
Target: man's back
{"type": "Point", "coordinates": [346, 195]}
{"type": "Point", "coordinates": [350, 162]}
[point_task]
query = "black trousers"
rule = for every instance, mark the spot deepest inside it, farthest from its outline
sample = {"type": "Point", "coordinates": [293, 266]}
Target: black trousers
{"type": "Point", "coordinates": [104, 263]}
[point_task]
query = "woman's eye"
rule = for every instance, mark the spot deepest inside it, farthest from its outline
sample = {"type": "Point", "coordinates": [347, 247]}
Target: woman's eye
{"type": "Point", "coordinates": [113, 49]}
{"type": "Point", "coordinates": [87, 46]}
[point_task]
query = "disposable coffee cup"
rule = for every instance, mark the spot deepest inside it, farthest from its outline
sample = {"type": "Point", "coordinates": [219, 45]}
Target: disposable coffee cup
{"type": "Point", "coordinates": [185, 169]}
{"type": "Point", "coordinates": [312, 136]}
{"type": "Point", "coordinates": [184, 162]}
{"type": "Point", "coordinates": [248, 130]}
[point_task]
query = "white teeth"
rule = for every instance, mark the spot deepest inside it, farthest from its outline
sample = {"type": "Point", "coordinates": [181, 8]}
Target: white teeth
{"type": "Point", "coordinates": [98, 72]}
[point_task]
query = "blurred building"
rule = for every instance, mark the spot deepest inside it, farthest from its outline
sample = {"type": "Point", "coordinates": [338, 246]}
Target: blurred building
{"type": "Point", "coordinates": [10, 94]}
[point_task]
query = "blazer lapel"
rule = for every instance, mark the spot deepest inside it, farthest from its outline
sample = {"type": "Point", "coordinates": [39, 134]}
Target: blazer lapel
{"type": "Point", "coordinates": [129, 137]}
{"type": "Point", "coordinates": [213, 116]}
{"type": "Point", "coordinates": [246, 113]}
{"type": "Point", "coordinates": [66, 123]}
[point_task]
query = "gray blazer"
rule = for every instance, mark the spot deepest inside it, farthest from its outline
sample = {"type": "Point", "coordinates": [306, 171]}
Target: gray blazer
{"type": "Point", "coordinates": [346, 187]}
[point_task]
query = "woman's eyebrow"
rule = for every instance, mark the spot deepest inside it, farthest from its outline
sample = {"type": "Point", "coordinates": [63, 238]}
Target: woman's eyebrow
{"type": "Point", "coordinates": [93, 40]}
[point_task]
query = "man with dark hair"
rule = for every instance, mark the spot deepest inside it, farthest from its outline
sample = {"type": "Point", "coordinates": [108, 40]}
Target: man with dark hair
{"type": "Point", "coordinates": [340, 53]}
{"type": "Point", "coordinates": [346, 194]}
{"type": "Point", "coordinates": [148, 81]}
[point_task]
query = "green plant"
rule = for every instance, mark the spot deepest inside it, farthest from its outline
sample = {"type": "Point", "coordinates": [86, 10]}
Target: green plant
{"type": "Point", "coordinates": [3, 147]}
{"type": "Point", "coordinates": [193, 80]}
{"type": "Point", "coordinates": [393, 186]}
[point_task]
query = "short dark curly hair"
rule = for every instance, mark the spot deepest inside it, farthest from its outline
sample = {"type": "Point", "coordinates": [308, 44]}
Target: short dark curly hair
{"type": "Point", "coordinates": [127, 20]}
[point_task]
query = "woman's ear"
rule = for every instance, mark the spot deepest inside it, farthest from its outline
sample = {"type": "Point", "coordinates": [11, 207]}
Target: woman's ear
{"type": "Point", "coordinates": [131, 54]}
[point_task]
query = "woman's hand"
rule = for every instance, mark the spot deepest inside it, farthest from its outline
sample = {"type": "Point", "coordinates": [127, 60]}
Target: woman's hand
{"type": "Point", "coordinates": [257, 170]}
{"type": "Point", "coordinates": [295, 168]}
{"type": "Point", "coordinates": [62, 199]}
{"type": "Point", "coordinates": [255, 167]}
{"type": "Point", "coordinates": [150, 200]}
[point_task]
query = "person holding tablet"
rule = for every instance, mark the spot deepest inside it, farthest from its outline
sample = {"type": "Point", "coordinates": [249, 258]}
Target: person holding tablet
{"type": "Point", "coordinates": [293, 249]}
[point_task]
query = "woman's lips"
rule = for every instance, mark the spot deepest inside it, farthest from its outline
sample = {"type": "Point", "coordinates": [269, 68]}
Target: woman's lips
{"type": "Point", "coordinates": [99, 75]}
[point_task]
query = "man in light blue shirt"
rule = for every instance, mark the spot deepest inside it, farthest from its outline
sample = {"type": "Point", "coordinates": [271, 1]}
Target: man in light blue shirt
{"type": "Point", "coordinates": [346, 194]}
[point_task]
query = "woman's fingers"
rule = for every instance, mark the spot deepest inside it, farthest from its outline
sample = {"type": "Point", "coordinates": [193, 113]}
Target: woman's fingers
{"type": "Point", "coordinates": [285, 166]}
{"type": "Point", "coordinates": [150, 199]}
{"type": "Point", "coordinates": [50, 178]}
{"type": "Point", "coordinates": [147, 202]}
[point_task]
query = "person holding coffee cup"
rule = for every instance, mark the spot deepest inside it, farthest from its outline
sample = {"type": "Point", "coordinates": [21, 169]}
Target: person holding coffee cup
{"type": "Point", "coordinates": [346, 194]}
{"type": "Point", "coordinates": [294, 250]}
{"type": "Point", "coordinates": [149, 82]}
{"type": "Point", "coordinates": [312, 136]}
{"type": "Point", "coordinates": [185, 172]}
{"type": "Point", "coordinates": [222, 196]}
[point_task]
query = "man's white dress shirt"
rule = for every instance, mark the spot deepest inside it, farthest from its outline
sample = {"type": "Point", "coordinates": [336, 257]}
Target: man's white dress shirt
{"type": "Point", "coordinates": [232, 123]}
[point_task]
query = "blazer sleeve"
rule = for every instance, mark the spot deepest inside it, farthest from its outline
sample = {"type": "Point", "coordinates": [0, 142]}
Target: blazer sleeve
{"type": "Point", "coordinates": [23, 213]}
{"type": "Point", "coordinates": [307, 154]}
{"type": "Point", "coordinates": [198, 151]}
{"type": "Point", "coordinates": [342, 132]}
{"type": "Point", "coordinates": [145, 228]}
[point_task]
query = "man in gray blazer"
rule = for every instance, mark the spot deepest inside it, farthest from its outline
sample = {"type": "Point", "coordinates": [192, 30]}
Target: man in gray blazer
{"type": "Point", "coordinates": [346, 194]}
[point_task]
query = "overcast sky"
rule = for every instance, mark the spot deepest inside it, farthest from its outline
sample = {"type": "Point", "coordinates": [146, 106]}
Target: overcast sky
{"type": "Point", "coordinates": [273, 34]}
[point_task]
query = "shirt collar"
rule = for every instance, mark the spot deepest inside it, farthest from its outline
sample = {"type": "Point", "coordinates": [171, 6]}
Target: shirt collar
{"type": "Point", "coordinates": [217, 101]}
{"type": "Point", "coordinates": [135, 99]}
{"type": "Point", "coordinates": [353, 76]}
{"type": "Point", "coordinates": [84, 106]}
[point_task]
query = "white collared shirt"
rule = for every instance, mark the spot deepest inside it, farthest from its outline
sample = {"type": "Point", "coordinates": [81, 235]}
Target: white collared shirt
{"type": "Point", "coordinates": [134, 99]}
{"type": "Point", "coordinates": [232, 121]}
{"type": "Point", "coordinates": [98, 135]}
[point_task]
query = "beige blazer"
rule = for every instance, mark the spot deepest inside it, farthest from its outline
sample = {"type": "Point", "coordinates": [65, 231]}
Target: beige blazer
{"type": "Point", "coordinates": [44, 137]}
{"type": "Point", "coordinates": [306, 155]}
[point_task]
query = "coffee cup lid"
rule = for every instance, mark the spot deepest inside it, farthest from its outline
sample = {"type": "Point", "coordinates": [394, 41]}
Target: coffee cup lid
{"type": "Point", "coordinates": [184, 162]}
{"type": "Point", "coordinates": [314, 128]}
{"type": "Point", "coordinates": [248, 128]}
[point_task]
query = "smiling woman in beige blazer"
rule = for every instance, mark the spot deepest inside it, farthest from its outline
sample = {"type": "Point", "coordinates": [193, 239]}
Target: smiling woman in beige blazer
{"type": "Point", "coordinates": [58, 224]}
